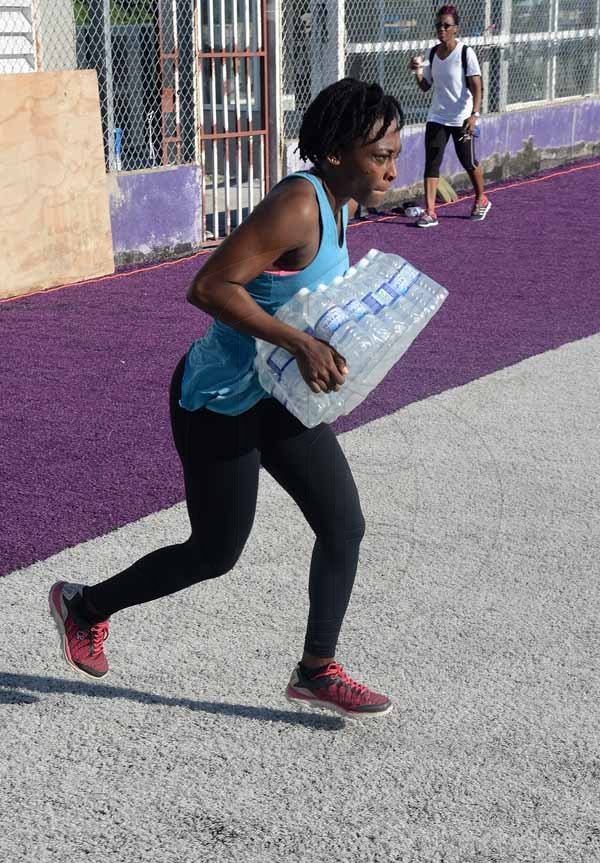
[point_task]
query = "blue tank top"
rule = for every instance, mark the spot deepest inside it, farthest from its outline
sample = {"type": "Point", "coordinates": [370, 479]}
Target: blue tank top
{"type": "Point", "coordinates": [219, 368]}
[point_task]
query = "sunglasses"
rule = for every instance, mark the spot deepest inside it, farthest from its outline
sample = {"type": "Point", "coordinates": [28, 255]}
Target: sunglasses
{"type": "Point", "coordinates": [444, 26]}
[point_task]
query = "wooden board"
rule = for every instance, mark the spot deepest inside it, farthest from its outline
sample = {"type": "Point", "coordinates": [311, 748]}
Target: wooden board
{"type": "Point", "coordinates": [54, 210]}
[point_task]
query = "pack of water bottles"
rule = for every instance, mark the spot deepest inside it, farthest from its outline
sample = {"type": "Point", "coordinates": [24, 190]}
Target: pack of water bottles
{"type": "Point", "coordinates": [371, 316]}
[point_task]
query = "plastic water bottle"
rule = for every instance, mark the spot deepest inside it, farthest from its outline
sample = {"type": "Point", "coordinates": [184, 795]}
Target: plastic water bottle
{"type": "Point", "coordinates": [277, 369]}
{"type": "Point", "coordinates": [337, 326]}
{"type": "Point", "coordinates": [277, 359]}
{"type": "Point", "coordinates": [280, 375]}
{"type": "Point", "coordinates": [412, 300]}
{"type": "Point", "coordinates": [397, 309]}
{"type": "Point", "coordinates": [371, 316]}
{"type": "Point", "coordinates": [415, 297]}
{"type": "Point", "coordinates": [343, 287]}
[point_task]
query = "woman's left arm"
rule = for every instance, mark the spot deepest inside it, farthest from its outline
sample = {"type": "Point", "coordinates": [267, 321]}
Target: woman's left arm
{"type": "Point", "coordinates": [474, 85]}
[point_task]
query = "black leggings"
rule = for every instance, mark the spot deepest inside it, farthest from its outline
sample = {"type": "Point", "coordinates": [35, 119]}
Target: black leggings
{"type": "Point", "coordinates": [436, 138]}
{"type": "Point", "coordinates": [221, 457]}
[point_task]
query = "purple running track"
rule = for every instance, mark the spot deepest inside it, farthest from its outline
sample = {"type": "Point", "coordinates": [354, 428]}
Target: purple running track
{"type": "Point", "coordinates": [85, 370]}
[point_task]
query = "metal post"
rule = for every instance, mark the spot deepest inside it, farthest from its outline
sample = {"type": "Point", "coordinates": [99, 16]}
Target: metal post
{"type": "Point", "coordinates": [276, 142]}
{"type": "Point", "coordinates": [552, 61]}
{"type": "Point", "coordinates": [327, 39]}
{"type": "Point", "coordinates": [504, 62]}
{"type": "Point", "coordinates": [316, 41]}
{"type": "Point", "coordinates": [596, 79]}
{"type": "Point", "coordinates": [380, 53]}
{"type": "Point", "coordinates": [485, 65]}
{"type": "Point", "coordinates": [337, 39]}
{"type": "Point", "coordinates": [110, 101]}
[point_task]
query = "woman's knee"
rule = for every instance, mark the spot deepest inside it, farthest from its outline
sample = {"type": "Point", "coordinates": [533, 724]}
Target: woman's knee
{"type": "Point", "coordinates": [344, 533]}
{"type": "Point", "coordinates": [211, 563]}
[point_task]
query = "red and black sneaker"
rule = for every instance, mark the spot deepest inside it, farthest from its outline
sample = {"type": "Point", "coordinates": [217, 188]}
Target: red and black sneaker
{"type": "Point", "coordinates": [82, 642]}
{"type": "Point", "coordinates": [331, 688]}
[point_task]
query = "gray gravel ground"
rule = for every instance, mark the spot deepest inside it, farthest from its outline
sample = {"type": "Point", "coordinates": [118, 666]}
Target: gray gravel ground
{"type": "Point", "coordinates": [476, 608]}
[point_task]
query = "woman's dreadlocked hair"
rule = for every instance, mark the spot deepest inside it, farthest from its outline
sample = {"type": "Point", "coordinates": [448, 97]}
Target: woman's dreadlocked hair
{"type": "Point", "coordinates": [342, 113]}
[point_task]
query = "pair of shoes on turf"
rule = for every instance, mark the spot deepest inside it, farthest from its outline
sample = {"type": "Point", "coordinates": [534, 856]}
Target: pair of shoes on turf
{"type": "Point", "coordinates": [82, 645]}
{"type": "Point", "coordinates": [478, 214]}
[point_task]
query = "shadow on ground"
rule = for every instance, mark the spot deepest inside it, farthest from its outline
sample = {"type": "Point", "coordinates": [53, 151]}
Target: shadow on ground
{"type": "Point", "coordinates": [11, 686]}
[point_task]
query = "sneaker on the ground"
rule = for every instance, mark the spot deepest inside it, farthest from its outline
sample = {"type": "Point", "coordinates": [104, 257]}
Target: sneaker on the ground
{"type": "Point", "coordinates": [332, 689]}
{"type": "Point", "coordinates": [82, 643]}
{"type": "Point", "coordinates": [480, 211]}
{"type": "Point", "coordinates": [427, 220]}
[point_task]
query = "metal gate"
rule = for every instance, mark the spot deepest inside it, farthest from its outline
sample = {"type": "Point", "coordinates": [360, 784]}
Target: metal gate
{"type": "Point", "coordinates": [232, 110]}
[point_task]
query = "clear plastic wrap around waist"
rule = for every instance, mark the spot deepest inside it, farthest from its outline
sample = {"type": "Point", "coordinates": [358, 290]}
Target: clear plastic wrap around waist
{"type": "Point", "coordinates": [219, 372]}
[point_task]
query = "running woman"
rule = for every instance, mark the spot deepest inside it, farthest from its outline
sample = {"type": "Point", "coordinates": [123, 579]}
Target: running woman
{"type": "Point", "coordinates": [224, 424]}
{"type": "Point", "coordinates": [455, 76]}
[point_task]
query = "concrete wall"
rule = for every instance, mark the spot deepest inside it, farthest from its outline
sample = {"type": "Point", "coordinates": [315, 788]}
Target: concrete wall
{"type": "Point", "coordinates": [155, 214]}
{"type": "Point", "coordinates": [512, 144]}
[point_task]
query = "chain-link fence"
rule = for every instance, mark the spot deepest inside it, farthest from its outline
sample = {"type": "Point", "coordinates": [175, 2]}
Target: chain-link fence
{"type": "Point", "coordinates": [529, 50]}
{"type": "Point", "coordinates": [160, 82]}
{"type": "Point", "coordinates": [166, 69]}
{"type": "Point", "coordinates": [143, 51]}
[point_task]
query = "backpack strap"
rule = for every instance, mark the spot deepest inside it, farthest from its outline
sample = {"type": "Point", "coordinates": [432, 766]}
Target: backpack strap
{"type": "Point", "coordinates": [432, 54]}
{"type": "Point", "coordinates": [464, 60]}
{"type": "Point", "coordinates": [464, 65]}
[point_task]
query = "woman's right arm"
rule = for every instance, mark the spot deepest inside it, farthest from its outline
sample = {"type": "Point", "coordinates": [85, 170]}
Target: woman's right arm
{"type": "Point", "coordinates": [283, 222]}
{"type": "Point", "coordinates": [416, 66]}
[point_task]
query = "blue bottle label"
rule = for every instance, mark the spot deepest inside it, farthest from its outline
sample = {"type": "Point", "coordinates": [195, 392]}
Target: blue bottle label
{"type": "Point", "coordinates": [357, 309]}
{"type": "Point", "coordinates": [330, 322]}
{"type": "Point", "coordinates": [379, 299]}
{"type": "Point", "coordinates": [405, 278]}
{"type": "Point", "coordinates": [279, 359]}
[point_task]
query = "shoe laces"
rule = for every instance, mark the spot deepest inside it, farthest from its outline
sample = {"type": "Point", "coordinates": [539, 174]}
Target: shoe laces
{"type": "Point", "coordinates": [334, 669]}
{"type": "Point", "coordinates": [98, 635]}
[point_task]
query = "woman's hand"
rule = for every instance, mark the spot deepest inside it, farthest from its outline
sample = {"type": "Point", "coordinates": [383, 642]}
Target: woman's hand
{"type": "Point", "coordinates": [468, 126]}
{"type": "Point", "coordinates": [321, 366]}
{"type": "Point", "coordinates": [416, 64]}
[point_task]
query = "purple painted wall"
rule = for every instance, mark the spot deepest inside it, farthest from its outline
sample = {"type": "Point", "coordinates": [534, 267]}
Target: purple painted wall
{"type": "Point", "coordinates": [552, 126]}
{"type": "Point", "coordinates": [155, 213]}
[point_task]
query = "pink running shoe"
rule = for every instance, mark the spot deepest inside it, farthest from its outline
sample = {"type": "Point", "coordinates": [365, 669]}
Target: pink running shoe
{"type": "Point", "coordinates": [82, 642]}
{"type": "Point", "coordinates": [333, 689]}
